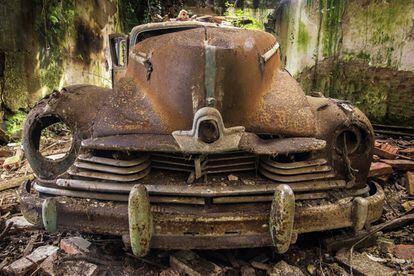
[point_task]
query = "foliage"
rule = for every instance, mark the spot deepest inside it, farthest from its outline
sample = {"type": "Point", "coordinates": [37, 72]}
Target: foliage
{"type": "Point", "coordinates": [14, 124]}
{"type": "Point", "coordinates": [133, 12]}
{"type": "Point", "coordinates": [241, 16]}
{"type": "Point", "coordinates": [56, 20]}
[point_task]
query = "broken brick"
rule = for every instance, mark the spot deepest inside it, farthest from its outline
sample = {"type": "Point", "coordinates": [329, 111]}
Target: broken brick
{"type": "Point", "coordinates": [188, 262]}
{"type": "Point", "coordinates": [379, 169]}
{"type": "Point", "coordinates": [75, 245]}
{"type": "Point", "coordinates": [47, 267]}
{"type": "Point", "coordinates": [386, 150]}
{"type": "Point", "coordinates": [407, 150]}
{"type": "Point", "coordinates": [13, 161]}
{"type": "Point", "coordinates": [404, 251]}
{"type": "Point", "coordinates": [399, 164]}
{"type": "Point", "coordinates": [27, 264]}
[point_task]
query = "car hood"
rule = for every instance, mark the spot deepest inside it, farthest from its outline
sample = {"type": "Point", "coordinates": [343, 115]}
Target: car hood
{"type": "Point", "coordinates": [171, 76]}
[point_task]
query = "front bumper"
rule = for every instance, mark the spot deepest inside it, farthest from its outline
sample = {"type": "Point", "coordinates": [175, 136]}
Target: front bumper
{"type": "Point", "coordinates": [175, 226]}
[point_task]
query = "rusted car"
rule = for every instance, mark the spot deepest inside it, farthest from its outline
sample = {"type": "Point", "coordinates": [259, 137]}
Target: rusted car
{"type": "Point", "coordinates": [204, 142]}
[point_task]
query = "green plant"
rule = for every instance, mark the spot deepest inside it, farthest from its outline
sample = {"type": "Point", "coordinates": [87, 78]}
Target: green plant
{"type": "Point", "coordinates": [14, 125]}
{"type": "Point", "coordinates": [239, 16]}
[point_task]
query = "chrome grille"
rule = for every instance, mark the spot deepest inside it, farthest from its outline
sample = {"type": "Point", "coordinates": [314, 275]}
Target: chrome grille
{"type": "Point", "coordinates": [110, 175]}
{"type": "Point", "coordinates": [103, 168]}
{"type": "Point", "coordinates": [295, 171]}
{"type": "Point", "coordinates": [200, 165]}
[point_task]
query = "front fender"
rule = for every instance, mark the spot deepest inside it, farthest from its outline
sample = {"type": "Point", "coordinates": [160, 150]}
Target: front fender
{"type": "Point", "coordinates": [76, 106]}
{"type": "Point", "coordinates": [334, 117]}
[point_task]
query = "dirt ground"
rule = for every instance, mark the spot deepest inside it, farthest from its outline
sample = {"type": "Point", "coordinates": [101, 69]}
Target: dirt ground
{"type": "Point", "coordinates": [108, 255]}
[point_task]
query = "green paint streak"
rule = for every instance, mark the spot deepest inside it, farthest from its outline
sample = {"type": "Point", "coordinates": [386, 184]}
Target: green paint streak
{"type": "Point", "coordinates": [303, 37]}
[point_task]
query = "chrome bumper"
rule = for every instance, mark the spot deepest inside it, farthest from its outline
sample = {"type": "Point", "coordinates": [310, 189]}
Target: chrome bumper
{"type": "Point", "coordinates": [147, 225]}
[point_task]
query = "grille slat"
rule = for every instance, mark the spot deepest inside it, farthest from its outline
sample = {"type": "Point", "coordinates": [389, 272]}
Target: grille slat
{"type": "Point", "coordinates": [295, 171]}
{"type": "Point", "coordinates": [111, 176]}
{"type": "Point", "coordinates": [111, 169]}
{"type": "Point", "coordinates": [202, 165]}
{"type": "Point", "coordinates": [113, 161]}
{"type": "Point", "coordinates": [295, 165]}
{"type": "Point", "coordinates": [297, 178]}
{"type": "Point", "coordinates": [306, 170]}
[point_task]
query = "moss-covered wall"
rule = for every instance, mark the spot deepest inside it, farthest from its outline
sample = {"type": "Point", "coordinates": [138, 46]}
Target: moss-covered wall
{"type": "Point", "coordinates": [48, 44]}
{"type": "Point", "coordinates": [361, 50]}
{"type": "Point", "coordinates": [19, 50]}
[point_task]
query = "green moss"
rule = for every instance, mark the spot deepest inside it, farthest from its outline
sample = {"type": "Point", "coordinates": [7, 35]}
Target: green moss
{"type": "Point", "coordinates": [364, 56]}
{"type": "Point", "coordinates": [14, 125]}
{"type": "Point", "coordinates": [349, 56]}
{"type": "Point", "coordinates": [384, 18]}
{"type": "Point", "coordinates": [383, 24]}
{"type": "Point", "coordinates": [351, 80]}
{"type": "Point", "coordinates": [15, 82]}
{"type": "Point", "coordinates": [54, 24]}
{"type": "Point", "coordinates": [303, 37]}
{"type": "Point", "coordinates": [332, 12]}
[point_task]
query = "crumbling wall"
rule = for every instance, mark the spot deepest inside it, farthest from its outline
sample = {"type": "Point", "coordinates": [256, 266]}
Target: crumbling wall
{"type": "Point", "coordinates": [45, 45]}
{"type": "Point", "coordinates": [18, 54]}
{"type": "Point", "coordinates": [359, 50]}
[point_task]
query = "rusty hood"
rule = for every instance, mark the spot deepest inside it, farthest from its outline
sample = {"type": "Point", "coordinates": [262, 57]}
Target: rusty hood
{"type": "Point", "coordinates": [206, 66]}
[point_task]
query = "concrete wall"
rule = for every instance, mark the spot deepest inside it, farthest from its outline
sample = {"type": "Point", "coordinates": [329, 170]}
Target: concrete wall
{"type": "Point", "coordinates": [360, 50]}
{"type": "Point", "coordinates": [32, 65]}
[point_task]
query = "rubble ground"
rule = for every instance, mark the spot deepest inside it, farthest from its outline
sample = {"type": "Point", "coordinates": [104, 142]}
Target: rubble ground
{"type": "Point", "coordinates": [385, 249]}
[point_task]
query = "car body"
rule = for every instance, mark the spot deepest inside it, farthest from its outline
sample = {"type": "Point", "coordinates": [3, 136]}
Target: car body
{"type": "Point", "coordinates": [204, 142]}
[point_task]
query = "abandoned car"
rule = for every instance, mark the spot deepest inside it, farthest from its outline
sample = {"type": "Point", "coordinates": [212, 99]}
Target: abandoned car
{"type": "Point", "coordinates": [204, 142]}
